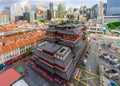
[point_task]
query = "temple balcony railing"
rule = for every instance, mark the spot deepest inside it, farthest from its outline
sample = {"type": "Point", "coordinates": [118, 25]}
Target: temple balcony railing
{"type": "Point", "coordinates": [73, 40]}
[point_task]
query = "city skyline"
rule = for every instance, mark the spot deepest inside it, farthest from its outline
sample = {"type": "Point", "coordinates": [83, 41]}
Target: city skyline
{"type": "Point", "coordinates": [45, 3]}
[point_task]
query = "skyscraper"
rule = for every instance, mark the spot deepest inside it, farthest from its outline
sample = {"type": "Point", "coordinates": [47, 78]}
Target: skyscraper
{"type": "Point", "coordinates": [50, 11]}
{"type": "Point", "coordinates": [100, 8]}
{"type": "Point", "coordinates": [40, 10]}
{"type": "Point", "coordinates": [51, 6]}
{"type": "Point", "coordinates": [17, 9]}
{"type": "Point", "coordinates": [27, 6]}
{"type": "Point", "coordinates": [6, 10]}
{"type": "Point", "coordinates": [4, 19]}
{"type": "Point", "coordinates": [61, 10]}
{"type": "Point", "coordinates": [113, 7]}
{"type": "Point", "coordinates": [94, 11]}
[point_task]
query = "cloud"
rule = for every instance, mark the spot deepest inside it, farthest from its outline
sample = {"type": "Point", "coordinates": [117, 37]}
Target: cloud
{"type": "Point", "coordinates": [45, 3]}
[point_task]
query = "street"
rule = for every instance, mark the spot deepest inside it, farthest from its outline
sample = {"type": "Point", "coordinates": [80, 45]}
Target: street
{"type": "Point", "coordinates": [93, 64]}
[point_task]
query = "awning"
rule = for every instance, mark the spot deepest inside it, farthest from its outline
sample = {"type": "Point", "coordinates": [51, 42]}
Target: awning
{"type": "Point", "coordinates": [8, 77]}
{"type": "Point", "coordinates": [8, 62]}
{"type": "Point", "coordinates": [20, 70]}
{"type": "Point", "coordinates": [16, 58]}
{"type": "Point", "coordinates": [1, 66]}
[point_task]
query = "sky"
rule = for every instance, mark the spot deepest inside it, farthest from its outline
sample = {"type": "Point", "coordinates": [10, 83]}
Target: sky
{"type": "Point", "coordinates": [45, 3]}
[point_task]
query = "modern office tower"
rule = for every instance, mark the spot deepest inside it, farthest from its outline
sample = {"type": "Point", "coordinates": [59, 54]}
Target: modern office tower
{"type": "Point", "coordinates": [50, 12]}
{"type": "Point", "coordinates": [40, 12]}
{"type": "Point", "coordinates": [70, 11]}
{"type": "Point", "coordinates": [27, 6]}
{"type": "Point", "coordinates": [33, 16]}
{"type": "Point", "coordinates": [100, 9]}
{"type": "Point", "coordinates": [105, 9]}
{"type": "Point", "coordinates": [26, 16]}
{"type": "Point", "coordinates": [6, 10]}
{"type": "Point", "coordinates": [56, 56]}
{"type": "Point", "coordinates": [51, 6]}
{"type": "Point", "coordinates": [4, 19]}
{"type": "Point", "coordinates": [17, 9]}
{"type": "Point", "coordinates": [94, 11]}
{"type": "Point", "coordinates": [61, 10]}
{"type": "Point", "coordinates": [83, 13]}
{"type": "Point", "coordinates": [113, 7]}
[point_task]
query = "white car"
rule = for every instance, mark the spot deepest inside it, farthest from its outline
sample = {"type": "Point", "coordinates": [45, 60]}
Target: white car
{"type": "Point", "coordinates": [116, 65]}
{"type": "Point", "coordinates": [107, 57]}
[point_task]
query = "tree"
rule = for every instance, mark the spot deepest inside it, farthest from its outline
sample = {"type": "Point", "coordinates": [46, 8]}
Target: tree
{"type": "Point", "coordinates": [63, 22]}
{"type": "Point", "coordinates": [29, 51]}
{"type": "Point", "coordinates": [114, 25]}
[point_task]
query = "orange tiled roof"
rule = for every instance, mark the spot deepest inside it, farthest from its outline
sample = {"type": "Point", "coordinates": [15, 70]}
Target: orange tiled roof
{"type": "Point", "coordinates": [4, 30]}
{"type": "Point", "coordinates": [4, 49]}
{"type": "Point", "coordinates": [13, 46]}
{"type": "Point", "coordinates": [20, 43]}
{"type": "Point", "coordinates": [32, 37]}
{"type": "Point", "coordinates": [4, 40]}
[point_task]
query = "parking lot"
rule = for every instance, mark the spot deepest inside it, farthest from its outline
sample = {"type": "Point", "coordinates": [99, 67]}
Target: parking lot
{"type": "Point", "coordinates": [110, 60]}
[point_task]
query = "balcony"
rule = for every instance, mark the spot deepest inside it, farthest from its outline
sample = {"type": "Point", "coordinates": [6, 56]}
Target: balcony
{"type": "Point", "coordinates": [74, 39]}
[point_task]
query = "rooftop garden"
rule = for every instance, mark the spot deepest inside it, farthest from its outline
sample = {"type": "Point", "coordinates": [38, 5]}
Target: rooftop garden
{"type": "Point", "coordinates": [114, 25]}
{"type": "Point", "coordinates": [43, 21]}
{"type": "Point", "coordinates": [63, 22]}
{"type": "Point", "coordinates": [67, 22]}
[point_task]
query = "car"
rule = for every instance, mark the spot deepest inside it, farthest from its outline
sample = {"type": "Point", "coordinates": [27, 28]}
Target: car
{"type": "Point", "coordinates": [101, 56]}
{"type": "Point", "coordinates": [84, 62]}
{"type": "Point", "coordinates": [113, 62]}
{"type": "Point", "coordinates": [117, 65]}
{"type": "Point", "coordinates": [75, 72]}
{"type": "Point", "coordinates": [112, 57]}
{"type": "Point", "coordinates": [109, 60]}
{"type": "Point", "coordinates": [105, 54]}
{"type": "Point", "coordinates": [94, 38]}
{"type": "Point", "coordinates": [106, 57]}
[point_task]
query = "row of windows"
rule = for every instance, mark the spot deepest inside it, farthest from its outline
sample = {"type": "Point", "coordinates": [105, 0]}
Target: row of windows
{"type": "Point", "coordinates": [65, 36]}
{"type": "Point", "coordinates": [12, 54]}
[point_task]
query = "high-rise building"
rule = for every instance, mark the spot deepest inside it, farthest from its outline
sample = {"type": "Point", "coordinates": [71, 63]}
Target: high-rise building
{"type": "Point", "coordinates": [61, 10]}
{"type": "Point", "coordinates": [105, 9]}
{"type": "Point", "coordinates": [4, 19]}
{"type": "Point", "coordinates": [56, 56]}
{"type": "Point", "coordinates": [83, 13]}
{"type": "Point", "coordinates": [26, 16]}
{"type": "Point", "coordinates": [27, 6]}
{"type": "Point", "coordinates": [6, 10]}
{"type": "Point", "coordinates": [50, 11]}
{"type": "Point", "coordinates": [41, 12]}
{"type": "Point", "coordinates": [49, 14]}
{"type": "Point", "coordinates": [33, 16]}
{"type": "Point", "coordinates": [113, 7]}
{"type": "Point", "coordinates": [51, 6]}
{"type": "Point", "coordinates": [17, 9]}
{"type": "Point", "coordinates": [100, 9]}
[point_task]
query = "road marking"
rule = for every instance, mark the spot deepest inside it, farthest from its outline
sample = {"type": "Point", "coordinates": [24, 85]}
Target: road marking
{"type": "Point", "coordinates": [89, 68]}
{"type": "Point", "coordinates": [91, 81]}
{"type": "Point", "coordinates": [105, 64]}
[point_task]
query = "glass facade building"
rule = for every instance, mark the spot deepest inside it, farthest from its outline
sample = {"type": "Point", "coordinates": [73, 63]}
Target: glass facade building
{"type": "Point", "coordinates": [113, 7]}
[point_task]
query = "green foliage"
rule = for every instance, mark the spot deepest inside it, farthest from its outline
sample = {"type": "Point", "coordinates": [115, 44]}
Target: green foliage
{"type": "Point", "coordinates": [44, 21]}
{"type": "Point", "coordinates": [77, 22]}
{"type": "Point", "coordinates": [63, 23]}
{"type": "Point", "coordinates": [114, 25]}
{"type": "Point", "coordinates": [28, 51]}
